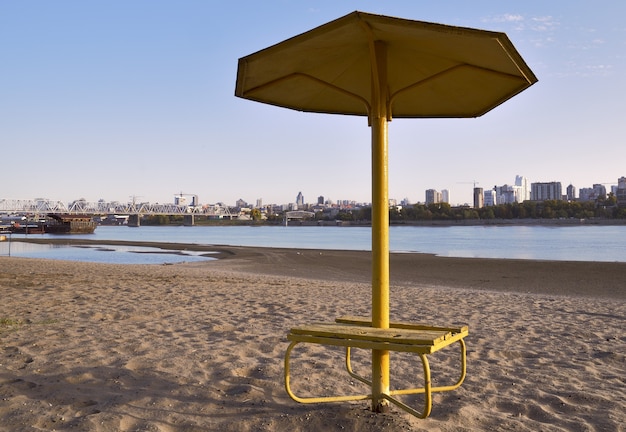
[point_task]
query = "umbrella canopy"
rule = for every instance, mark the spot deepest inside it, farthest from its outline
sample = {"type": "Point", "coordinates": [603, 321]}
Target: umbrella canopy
{"type": "Point", "coordinates": [383, 67]}
{"type": "Point", "coordinates": [432, 70]}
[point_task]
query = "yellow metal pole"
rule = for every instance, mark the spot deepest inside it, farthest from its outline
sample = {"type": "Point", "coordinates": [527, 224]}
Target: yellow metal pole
{"type": "Point", "coordinates": [380, 224]}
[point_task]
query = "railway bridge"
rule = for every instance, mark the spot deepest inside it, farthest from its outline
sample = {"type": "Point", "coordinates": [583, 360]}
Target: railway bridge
{"type": "Point", "coordinates": [134, 211]}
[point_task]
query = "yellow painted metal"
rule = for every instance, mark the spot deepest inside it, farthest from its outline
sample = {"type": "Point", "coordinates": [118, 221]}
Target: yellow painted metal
{"type": "Point", "coordinates": [309, 400]}
{"type": "Point", "coordinates": [442, 388]}
{"type": "Point", "coordinates": [351, 372]}
{"type": "Point", "coordinates": [434, 70]}
{"type": "Point", "coordinates": [397, 338]}
{"type": "Point", "coordinates": [410, 391]}
{"type": "Point", "coordinates": [428, 398]}
{"type": "Point", "coordinates": [373, 334]}
{"type": "Point", "coordinates": [380, 220]}
{"type": "Point", "coordinates": [383, 67]}
{"type": "Point", "coordinates": [364, 321]}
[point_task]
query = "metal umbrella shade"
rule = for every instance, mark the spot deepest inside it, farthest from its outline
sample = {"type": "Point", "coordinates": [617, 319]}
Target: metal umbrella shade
{"type": "Point", "coordinates": [383, 67]}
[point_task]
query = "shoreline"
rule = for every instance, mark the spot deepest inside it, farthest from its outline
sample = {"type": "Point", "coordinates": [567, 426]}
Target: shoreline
{"type": "Point", "coordinates": [417, 223]}
{"type": "Point", "coordinates": [575, 278]}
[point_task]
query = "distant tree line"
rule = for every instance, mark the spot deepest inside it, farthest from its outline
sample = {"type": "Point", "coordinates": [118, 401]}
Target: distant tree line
{"type": "Point", "coordinates": [605, 208]}
{"type": "Point", "coordinates": [601, 209]}
{"type": "Point", "coordinates": [162, 220]}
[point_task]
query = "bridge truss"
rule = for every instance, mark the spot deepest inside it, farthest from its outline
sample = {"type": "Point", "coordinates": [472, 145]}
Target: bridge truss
{"type": "Point", "coordinates": [42, 206]}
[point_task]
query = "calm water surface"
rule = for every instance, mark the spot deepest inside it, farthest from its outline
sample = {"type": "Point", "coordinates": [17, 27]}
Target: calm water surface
{"type": "Point", "coordinates": [564, 243]}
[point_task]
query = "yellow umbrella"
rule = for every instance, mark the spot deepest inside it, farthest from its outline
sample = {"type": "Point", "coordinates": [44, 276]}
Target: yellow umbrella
{"type": "Point", "coordinates": [383, 67]}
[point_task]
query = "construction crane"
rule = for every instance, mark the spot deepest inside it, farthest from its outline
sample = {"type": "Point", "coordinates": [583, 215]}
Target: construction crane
{"type": "Point", "coordinates": [473, 182]}
{"type": "Point", "coordinates": [134, 198]}
{"type": "Point", "coordinates": [180, 199]}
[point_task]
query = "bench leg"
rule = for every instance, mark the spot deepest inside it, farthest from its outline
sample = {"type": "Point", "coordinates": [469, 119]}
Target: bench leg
{"type": "Point", "coordinates": [442, 388]}
{"type": "Point", "coordinates": [308, 400]}
{"type": "Point", "coordinates": [427, 389]}
{"type": "Point", "coordinates": [428, 400]}
{"type": "Point", "coordinates": [352, 373]}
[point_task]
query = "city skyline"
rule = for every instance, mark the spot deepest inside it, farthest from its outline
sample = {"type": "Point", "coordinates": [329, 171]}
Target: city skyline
{"type": "Point", "coordinates": [123, 100]}
{"type": "Point", "coordinates": [522, 189]}
{"type": "Point", "coordinates": [300, 199]}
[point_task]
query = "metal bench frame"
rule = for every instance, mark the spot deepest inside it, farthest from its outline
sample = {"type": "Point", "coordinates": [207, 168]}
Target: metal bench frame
{"type": "Point", "coordinates": [356, 332]}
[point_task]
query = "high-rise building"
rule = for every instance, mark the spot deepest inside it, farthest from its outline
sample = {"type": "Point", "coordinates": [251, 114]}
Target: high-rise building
{"type": "Point", "coordinates": [586, 194]}
{"type": "Point", "coordinates": [490, 198]}
{"type": "Point", "coordinates": [320, 200]}
{"type": "Point", "coordinates": [445, 196]}
{"type": "Point", "coordinates": [506, 194]}
{"type": "Point", "coordinates": [479, 199]}
{"type": "Point", "coordinates": [509, 194]}
{"type": "Point", "coordinates": [546, 191]}
{"type": "Point", "coordinates": [594, 193]}
{"type": "Point", "coordinates": [571, 192]}
{"type": "Point", "coordinates": [523, 193]}
{"type": "Point", "coordinates": [300, 200]}
{"type": "Point", "coordinates": [621, 192]}
{"type": "Point", "coordinates": [432, 196]}
{"type": "Point", "coordinates": [600, 191]}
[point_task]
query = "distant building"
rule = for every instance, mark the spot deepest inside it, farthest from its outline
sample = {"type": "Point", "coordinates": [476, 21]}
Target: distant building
{"type": "Point", "coordinates": [445, 196]}
{"type": "Point", "coordinates": [479, 200]}
{"type": "Point", "coordinates": [490, 198]}
{"type": "Point", "coordinates": [621, 192]}
{"type": "Point", "coordinates": [509, 194]}
{"type": "Point", "coordinates": [586, 194]}
{"type": "Point", "coordinates": [571, 193]}
{"type": "Point", "coordinates": [594, 193]}
{"type": "Point", "coordinates": [506, 194]}
{"type": "Point", "coordinates": [432, 196]}
{"type": "Point", "coordinates": [320, 200]}
{"type": "Point", "coordinates": [300, 200]}
{"type": "Point", "coordinates": [546, 191]}
{"type": "Point", "coordinates": [600, 191]}
{"type": "Point", "coordinates": [523, 193]}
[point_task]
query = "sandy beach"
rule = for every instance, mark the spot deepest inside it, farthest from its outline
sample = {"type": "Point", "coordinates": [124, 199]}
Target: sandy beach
{"type": "Point", "coordinates": [200, 346]}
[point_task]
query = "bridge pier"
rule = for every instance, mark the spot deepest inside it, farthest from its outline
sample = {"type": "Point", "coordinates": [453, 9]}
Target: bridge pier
{"type": "Point", "coordinates": [134, 220]}
{"type": "Point", "coordinates": [189, 220]}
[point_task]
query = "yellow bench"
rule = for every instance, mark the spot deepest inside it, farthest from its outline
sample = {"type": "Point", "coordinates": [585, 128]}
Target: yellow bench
{"type": "Point", "coordinates": [357, 332]}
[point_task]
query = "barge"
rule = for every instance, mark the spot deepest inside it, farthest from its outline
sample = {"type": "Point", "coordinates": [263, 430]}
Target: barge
{"type": "Point", "coordinates": [69, 224]}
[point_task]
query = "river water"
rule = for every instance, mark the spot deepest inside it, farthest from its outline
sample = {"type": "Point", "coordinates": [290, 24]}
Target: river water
{"type": "Point", "coordinates": [561, 243]}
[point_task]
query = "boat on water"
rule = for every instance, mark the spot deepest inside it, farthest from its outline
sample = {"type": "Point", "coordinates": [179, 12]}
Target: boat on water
{"type": "Point", "coordinates": [28, 228]}
{"type": "Point", "coordinates": [56, 224]}
{"type": "Point", "coordinates": [69, 224]}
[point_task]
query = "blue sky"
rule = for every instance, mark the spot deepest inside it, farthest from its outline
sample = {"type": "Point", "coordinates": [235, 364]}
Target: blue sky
{"type": "Point", "coordinates": [113, 99]}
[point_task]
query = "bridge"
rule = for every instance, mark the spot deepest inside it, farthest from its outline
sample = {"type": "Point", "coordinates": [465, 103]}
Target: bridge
{"type": "Point", "coordinates": [134, 210]}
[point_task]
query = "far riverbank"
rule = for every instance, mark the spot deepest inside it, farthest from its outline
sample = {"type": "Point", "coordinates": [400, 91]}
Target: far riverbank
{"type": "Point", "coordinates": [432, 222]}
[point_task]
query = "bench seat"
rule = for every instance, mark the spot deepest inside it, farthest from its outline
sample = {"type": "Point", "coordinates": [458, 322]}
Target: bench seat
{"type": "Point", "coordinates": [357, 332]}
